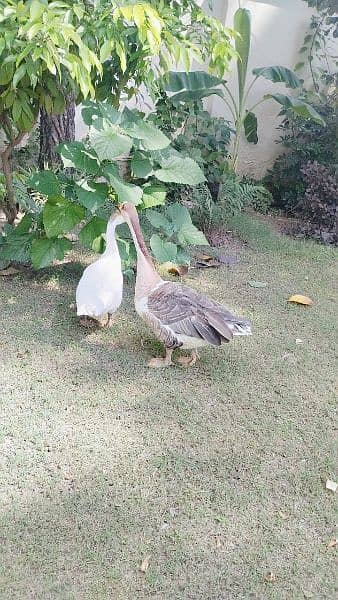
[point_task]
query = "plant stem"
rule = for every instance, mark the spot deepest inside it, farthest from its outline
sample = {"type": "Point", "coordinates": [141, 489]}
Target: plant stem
{"type": "Point", "coordinates": [257, 104]}
{"type": "Point", "coordinates": [310, 55]}
{"type": "Point", "coordinates": [245, 97]}
{"type": "Point", "coordinates": [232, 99]}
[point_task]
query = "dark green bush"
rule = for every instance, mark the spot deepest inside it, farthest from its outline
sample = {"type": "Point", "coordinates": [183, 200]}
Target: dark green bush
{"type": "Point", "coordinates": [304, 141]}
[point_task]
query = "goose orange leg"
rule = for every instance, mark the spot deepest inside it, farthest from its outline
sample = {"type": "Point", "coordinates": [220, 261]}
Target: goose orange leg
{"type": "Point", "coordinates": [188, 361]}
{"type": "Point", "coordinates": [162, 362]}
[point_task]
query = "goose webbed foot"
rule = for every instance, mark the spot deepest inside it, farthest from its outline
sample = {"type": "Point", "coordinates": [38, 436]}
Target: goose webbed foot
{"type": "Point", "coordinates": [162, 362]}
{"type": "Point", "coordinates": [188, 361]}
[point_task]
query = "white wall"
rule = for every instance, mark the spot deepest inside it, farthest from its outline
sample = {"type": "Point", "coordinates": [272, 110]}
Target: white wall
{"type": "Point", "coordinates": [278, 30]}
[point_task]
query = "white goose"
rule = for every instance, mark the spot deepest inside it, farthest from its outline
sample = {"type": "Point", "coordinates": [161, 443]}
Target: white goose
{"type": "Point", "coordinates": [179, 316]}
{"type": "Point", "coordinates": [99, 291]}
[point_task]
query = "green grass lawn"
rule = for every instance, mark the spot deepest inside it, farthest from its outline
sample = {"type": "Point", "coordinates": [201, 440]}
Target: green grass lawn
{"type": "Point", "coordinates": [217, 472]}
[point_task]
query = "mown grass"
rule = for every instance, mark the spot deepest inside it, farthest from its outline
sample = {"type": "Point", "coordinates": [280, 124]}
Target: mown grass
{"type": "Point", "coordinates": [218, 472]}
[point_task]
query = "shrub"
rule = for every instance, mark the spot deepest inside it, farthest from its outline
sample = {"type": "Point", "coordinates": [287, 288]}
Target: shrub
{"type": "Point", "coordinates": [319, 204]}
{"type": "Point", "coordinates": [305, 141]}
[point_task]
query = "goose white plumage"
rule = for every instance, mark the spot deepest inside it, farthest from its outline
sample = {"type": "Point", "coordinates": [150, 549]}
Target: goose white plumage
{"type": "Point", "coordinates": [100, 288]}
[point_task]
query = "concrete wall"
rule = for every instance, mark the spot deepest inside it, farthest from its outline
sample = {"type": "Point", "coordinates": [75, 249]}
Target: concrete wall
{"type": "Point", "coordinates": [278, 29]}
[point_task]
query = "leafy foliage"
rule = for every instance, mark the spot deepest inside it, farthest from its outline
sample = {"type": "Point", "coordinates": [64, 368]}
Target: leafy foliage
{"type": "Point", "coordinates": [196, 134]}
{"type": "Point", "coordinates": [175, 223]}
{"type": "Point", "coordinates": [317, 45]}
{"type": "Point", "coordinates": [319, 204]}
{"type": "Point", "coordinates": [53, 50]}
{"type": "Point", "coordinates": [304, 141]}
{"type": "Point", "coordinates": [78, 202]}
{"type": "Point", "coordinates": [186, 84]}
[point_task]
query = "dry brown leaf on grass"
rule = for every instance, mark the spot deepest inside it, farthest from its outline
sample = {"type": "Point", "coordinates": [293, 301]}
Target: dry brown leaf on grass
{"type": "Point", "coordinates": [173, 269]}
{"type": "Point", "coordinates": [9, 271]}
{"type": "Point", "coordinates": [144, 566]}
{"type": "Point", "coordinates": [332, 543]}
{"type": "Point", "coordinates": [331, 485]}
{"type": "Point", "coordinates": [270, 577]}
{"type": "Point", "coordinates": [299, 299]}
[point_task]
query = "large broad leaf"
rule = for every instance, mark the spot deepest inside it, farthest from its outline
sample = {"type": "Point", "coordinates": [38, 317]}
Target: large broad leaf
{"type": "Point", "coordinates": [93, 110]}
{"type": "Point", "coordinates": [126, 192]}
{"type": "Point", "coordinates": [242, 24]}
{"type": "Point", "coordinates": [141, 166]}
{"type": "Point", "coordinates": [16, 246]}
{"type": "Point", "coordinates": [153, 195]}
{"type": "Point", "coordinates": [60, 215]}
{"type": "Point", "coordinates": [151, 137]}
{"type": "Point", "coordinates": [91, 194]}
{"type": "Point", "coordinates": [250, 127]}
{"type": "Point", "coordinates": [159, 221]}
{"type": "Point", "coordinates": [180, 170]}
{"type": "Point", "coordinates": [44, 251]}
{"type": "Point", "coordinates": [45, 182]}
{"type": "Point", "coordinates": [163, 251]}
{"type": "Point", "coordinates": [279, 74]}
{"type": "Point", "coordinates": [91, 235]}
{"type": "Point", "coordinates": [193, 95]}
{"type": "Point", "coordinates": [109, 142]}
{"type": "Point", "coordinates": [298, 107]}
{"type": "Point", "coordinates": [190, 235]}
{"type": "Point", "coordinates": [179, 215]}
{"type": "Point", "coordinates": [75, 154]}
{"type": "Point", "coordinates": [193, 81]}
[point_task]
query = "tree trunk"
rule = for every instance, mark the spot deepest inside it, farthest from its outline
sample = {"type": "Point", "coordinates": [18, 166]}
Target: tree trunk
{"type": "Point", "coordinates": [55, 129]}
{"type": "Point", "coordinates": [8, 204]}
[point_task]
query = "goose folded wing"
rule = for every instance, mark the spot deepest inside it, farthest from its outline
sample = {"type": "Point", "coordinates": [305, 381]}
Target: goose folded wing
{"type": "Point", "coordinates": [184, 311]}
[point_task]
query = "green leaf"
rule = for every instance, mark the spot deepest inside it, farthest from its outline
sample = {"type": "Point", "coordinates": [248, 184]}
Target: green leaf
{"type": "Point", "coordinates": [250, 127]}
{"type": "Point", "coordinates": [91, 194]}
{"type": "Point", "coordinates": [190, 235]}
{"type": "Point", "coordinates": [44, 251]}
{"type": "Point", "coordinates": [75, 154]}
{"type": "Point", "coordinates": [279, 74]}
{"type": "Point", "coordinates": [179, 215]}
{"type": "Point", "coordinates": [6, 73]}
{"type": "Point", "coordinates": [159, 221]}
{"type": "Point", "coordinates": [16, 246]}
{"type": "Point", "coordinates": [180, 170]}
{"type": "Point", "coordinates": [60, 215]}
{"type": "Point", "coordinates": [242, 24]}
{"type": "Point", "coordinates": [153, 195]}
{"type": "Point", "coordinates": [126, 192]}
{"type": "Point", "coordinates": [177, 81]}
{"type": "Point", "coordinates": [45, 182]}
{"type": "Point", "coordinates": [163, 251]}
{"type": "Point", "coordinates": [20, 72]}
{"type": "Point", "coordinates": [109, 142]}
{"type": "Point", "coordinates": [298, 107]}
{"type": "Point", "coordinates": [141, 166]}
{"type": "Point", "coordinates": [92, 233]}
{"type": "Point", "coordinates": [193, 95]}
{"type": "Point", "coordinates": [152, 137]}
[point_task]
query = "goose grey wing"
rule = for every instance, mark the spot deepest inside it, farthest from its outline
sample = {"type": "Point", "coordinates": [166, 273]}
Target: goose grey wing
{"type": "Point", "coordinates": [187, 312]}
{"type": "Point", "coordinates": [164, 333]}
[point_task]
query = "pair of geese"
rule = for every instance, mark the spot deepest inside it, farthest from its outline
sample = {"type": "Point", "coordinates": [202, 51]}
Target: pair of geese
{"type": "Point", "coordinates": [179, 316]}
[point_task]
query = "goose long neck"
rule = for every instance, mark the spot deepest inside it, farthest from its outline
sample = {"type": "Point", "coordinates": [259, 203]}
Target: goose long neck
{"type": "Point", "coordinates": [147, 277]}
{"type": "Point", "coordinates": [111, 243]}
